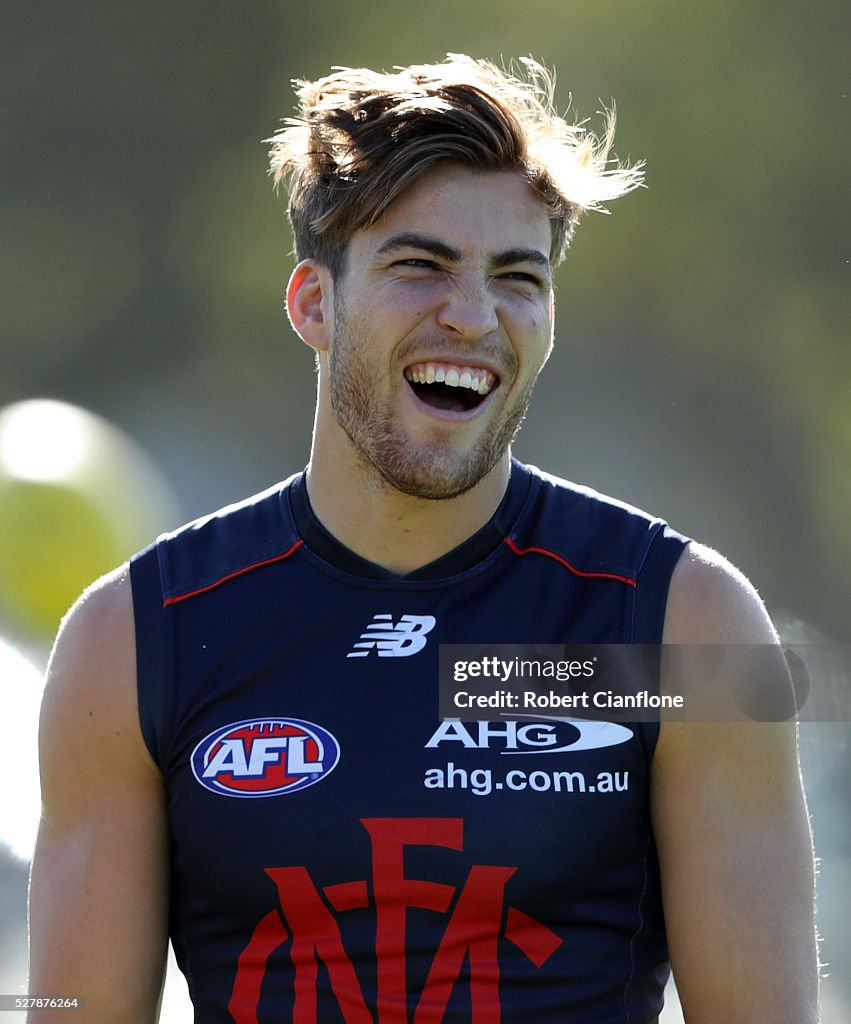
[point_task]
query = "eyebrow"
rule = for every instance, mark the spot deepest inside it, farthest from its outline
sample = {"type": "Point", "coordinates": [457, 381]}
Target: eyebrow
{"type": "Point", "coordinates": [414, 240]}
{"type": "Point", "coordinates": [510, 256]}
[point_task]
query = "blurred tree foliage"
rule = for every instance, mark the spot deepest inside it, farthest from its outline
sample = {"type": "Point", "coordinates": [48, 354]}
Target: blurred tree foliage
{"type": "Point", "coordinates": [702, 369]}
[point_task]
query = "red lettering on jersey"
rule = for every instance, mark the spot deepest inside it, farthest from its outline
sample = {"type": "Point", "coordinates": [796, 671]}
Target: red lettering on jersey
{"type": "Point", "coordinates": [347, 895]}
{"type": "Point", "coordinates": [316, 937]}
{"type": "Point", "coordinates": [394, 893]}
{"type": "Point", "coordinates": [471, 935]}
{"type": "Point", "coordinates": [473, 929]}
{"type": "Point", "coordinates": [251, 968]}
{"type": "Point", "coordinates": [531, 937]}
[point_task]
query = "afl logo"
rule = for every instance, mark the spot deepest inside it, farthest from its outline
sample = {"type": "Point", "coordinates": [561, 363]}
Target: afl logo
{"type": "Point", "coordinates": [264, 757]}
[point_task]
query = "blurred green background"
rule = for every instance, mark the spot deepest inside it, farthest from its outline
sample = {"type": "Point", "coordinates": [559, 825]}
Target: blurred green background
{"type": "Point", "coordinates": [702, 368]}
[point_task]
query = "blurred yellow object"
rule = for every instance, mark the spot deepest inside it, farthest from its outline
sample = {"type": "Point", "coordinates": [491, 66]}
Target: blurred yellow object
{"type": "Point", "coordinates": [77, 497]}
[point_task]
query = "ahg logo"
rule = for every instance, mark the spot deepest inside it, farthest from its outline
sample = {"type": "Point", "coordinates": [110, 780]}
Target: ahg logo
{"type": "Point", "coordinates": [399, 640]}
{"type": "Point", "coordinates": [555, 736]}
{"type": "Point", "coordinates": [264, 757]}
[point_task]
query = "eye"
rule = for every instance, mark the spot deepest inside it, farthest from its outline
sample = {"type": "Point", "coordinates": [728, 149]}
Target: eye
{"type": "Point", "coordinates": [418, 262]}
{"type": "Point", "coordinates": [525, 277]}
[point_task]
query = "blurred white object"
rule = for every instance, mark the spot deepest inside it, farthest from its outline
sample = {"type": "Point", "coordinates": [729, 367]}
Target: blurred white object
{"type": "Point", "coordinates": [21, 686]}
{"type": "Point", "coordinates": [176, 1005]}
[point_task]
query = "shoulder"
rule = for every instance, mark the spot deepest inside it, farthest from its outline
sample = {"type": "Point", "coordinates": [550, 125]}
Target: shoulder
{"type": "Point", "coordinates": [97, 632]}
{"type": "Point", "coordinates": [728, 663]}
{"type": "Point", "coordinates": [208, 550]}
{"type": "Point", "coordinates": [601, 538]}
{"type": "Point", "coordinates": [578, 496]}
{"type": "Point", "coordinates": [89, 706]}
{"type": "Point", "coordinates": [591, 524]}
{"type": "Point", "coordinates": [720, 629]}
{"type": "Point", "coordinates": [710, 601]}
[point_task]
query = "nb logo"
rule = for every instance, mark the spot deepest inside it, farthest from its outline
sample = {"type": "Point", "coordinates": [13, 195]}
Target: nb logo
{"type": "Point", "coordinates": [406, 637]}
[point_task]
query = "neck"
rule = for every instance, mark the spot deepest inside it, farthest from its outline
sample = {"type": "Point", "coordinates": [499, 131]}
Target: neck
{"type": "Point", "coordinates": [392, 529]}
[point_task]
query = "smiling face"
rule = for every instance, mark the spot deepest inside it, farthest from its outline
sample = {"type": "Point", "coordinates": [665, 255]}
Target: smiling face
{"type": "Point", "coordinates": [441, 322]}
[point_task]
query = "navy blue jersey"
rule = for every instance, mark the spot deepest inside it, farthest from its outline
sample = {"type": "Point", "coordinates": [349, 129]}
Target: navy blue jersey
{"type": "Point", "coordinates": [339, 854]}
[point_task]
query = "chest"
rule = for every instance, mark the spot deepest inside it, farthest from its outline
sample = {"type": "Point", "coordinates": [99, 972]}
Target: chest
{"type": "Point", "coordinates": [306, 734]}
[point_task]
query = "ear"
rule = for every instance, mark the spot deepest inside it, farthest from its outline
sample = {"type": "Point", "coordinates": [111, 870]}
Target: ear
{"type": "Point", "coordinates": [310, 301]}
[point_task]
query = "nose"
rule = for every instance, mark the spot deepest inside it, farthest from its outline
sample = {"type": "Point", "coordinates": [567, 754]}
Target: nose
{"type": "Point", "coordinates": [469, 310]}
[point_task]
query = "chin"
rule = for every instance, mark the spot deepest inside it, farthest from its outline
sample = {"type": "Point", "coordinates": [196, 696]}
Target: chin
{"type": "Point", "coordinates": [434, 476]}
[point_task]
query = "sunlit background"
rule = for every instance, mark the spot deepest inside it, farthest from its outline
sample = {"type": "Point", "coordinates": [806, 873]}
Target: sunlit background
{"type": "Point", "coordinates": [702, 367]}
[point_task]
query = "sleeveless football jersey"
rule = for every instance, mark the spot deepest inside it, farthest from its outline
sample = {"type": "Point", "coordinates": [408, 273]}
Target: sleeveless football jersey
{"type": "Point", "coordinates": [340, 855]}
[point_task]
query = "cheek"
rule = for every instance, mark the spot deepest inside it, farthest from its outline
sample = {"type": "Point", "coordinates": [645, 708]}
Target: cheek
{"type": "Point", "coordinates": [538, 327]}
{"type": "Point", "coordinates": [395, 311]}
{"type": "Point", "coordinates": [547, 352]}
{"type": "Point", "coordinates": [541, 340]}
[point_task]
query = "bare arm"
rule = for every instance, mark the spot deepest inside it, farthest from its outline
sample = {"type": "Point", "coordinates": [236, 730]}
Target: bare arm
{"type": "Point", "coordinates": [733, 833]}
{"type": "Point", "coordinates": [98, 898]}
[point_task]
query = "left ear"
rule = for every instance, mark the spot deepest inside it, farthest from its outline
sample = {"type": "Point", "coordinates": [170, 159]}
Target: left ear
{"type": "Point", "coordinates": [309, 304]}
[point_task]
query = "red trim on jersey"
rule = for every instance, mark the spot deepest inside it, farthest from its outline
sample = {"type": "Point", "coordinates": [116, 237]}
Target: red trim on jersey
{"type": "Point", "coordinates": [239, 572]}
{"type": "Point", "coordinates": [563, 561]}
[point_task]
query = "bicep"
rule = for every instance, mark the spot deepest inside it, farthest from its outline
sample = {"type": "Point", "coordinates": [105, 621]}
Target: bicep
{"type": "Point", "coordinates": [98, 898]}
{"type": "Point", "coordinates": [732, 831]}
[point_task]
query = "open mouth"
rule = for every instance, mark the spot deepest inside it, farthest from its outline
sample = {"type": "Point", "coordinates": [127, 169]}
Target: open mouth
{"type": "Point", "coordinates": [449, 387]}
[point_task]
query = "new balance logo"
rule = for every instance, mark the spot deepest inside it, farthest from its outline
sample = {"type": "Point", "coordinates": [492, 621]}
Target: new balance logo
{"type": "Point", "coordinates": [406, 637]}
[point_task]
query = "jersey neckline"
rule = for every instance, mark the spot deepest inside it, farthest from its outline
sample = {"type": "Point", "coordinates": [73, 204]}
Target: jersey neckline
{"type": "Point", "coordinates": [465, 556]}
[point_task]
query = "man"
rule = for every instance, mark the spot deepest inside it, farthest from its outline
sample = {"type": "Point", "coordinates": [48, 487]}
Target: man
{"type": "Point", "coordinates": [240, 741]}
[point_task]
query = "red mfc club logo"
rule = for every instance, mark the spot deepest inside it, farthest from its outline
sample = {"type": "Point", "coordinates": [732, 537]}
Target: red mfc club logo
{"type": "Point", "coordinates": [264, 757]}
{"type": "Point", "coordinates": [305, 928]}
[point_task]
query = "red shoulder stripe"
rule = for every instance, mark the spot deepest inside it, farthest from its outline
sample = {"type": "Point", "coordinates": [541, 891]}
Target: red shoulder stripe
{"type": "Point", "coordinates": [576, 572]}
{"type": "Point", "coordinates": [239, 572]}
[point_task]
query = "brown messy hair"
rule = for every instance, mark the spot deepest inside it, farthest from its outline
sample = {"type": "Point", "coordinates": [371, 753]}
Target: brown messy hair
{"type": "Point", "coordinates": [362, 137]}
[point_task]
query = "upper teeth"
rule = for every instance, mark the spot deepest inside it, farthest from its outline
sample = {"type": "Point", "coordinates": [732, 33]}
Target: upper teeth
{"type": "Point", "coordinates": [478, 380]}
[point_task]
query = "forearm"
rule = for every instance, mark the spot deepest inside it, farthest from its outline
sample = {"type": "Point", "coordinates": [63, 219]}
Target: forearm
{"type": "Point", "coordinates": [94, 934]}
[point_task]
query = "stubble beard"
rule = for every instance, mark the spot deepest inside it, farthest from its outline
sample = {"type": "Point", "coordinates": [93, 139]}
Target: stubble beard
{"type": "Point", "coordinates": [436, 472]}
